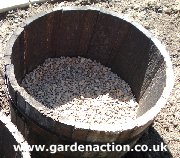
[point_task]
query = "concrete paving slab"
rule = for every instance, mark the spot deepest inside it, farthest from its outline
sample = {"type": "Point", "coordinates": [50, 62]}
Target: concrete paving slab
{"type": "Point", "coordinates": [6, 5]}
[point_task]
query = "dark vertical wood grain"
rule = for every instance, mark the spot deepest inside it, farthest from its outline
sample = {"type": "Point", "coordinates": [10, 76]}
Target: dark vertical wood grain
{"type": "Point", "coordinates": [66, 33]}
{"type": "Point", "coordinates": [87, 27]}
{"type": "Point", "coordinates": [132, 60]}
{"type": "Point", "coordinates": [107, 36]}
{"type": "Point", "coordinates": [71, 32]}
{"type": "Point", "coordinates": [37, 37]}
{"type": "Point", "coordinates": [18, 57]}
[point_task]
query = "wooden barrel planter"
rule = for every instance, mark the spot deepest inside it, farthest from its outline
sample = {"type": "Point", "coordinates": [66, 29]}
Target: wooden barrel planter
{"type": "Point", "coordinates": [9, 136]}
{"type": "Point", "coordinates": [114, 41]}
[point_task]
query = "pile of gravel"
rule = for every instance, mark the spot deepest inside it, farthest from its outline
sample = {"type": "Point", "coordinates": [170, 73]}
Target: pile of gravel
{"type": "Point", "coordinates": [81, 90]}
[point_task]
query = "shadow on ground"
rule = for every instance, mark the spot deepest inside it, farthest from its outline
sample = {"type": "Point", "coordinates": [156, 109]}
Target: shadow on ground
{"type": "Point", "coordinates": [150, 138]}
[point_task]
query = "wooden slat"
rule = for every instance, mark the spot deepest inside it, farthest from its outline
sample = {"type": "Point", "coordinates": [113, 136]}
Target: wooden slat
{"type": "Point", "coordinates": [37, 37]}
{"type": "Point", "coordinates": [108, 34]}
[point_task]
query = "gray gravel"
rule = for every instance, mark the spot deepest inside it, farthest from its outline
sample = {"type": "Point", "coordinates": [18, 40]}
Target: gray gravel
{"type": "Point", "coordinates": [81, 90]}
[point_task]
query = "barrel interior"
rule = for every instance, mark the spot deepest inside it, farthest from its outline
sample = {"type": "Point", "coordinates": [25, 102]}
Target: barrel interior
{"type": "Point", "coordinates": [105, 38]}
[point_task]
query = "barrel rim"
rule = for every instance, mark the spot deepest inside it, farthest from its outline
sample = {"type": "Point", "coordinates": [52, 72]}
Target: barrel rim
{"type": "Point", "coordinates": [141, 120]}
